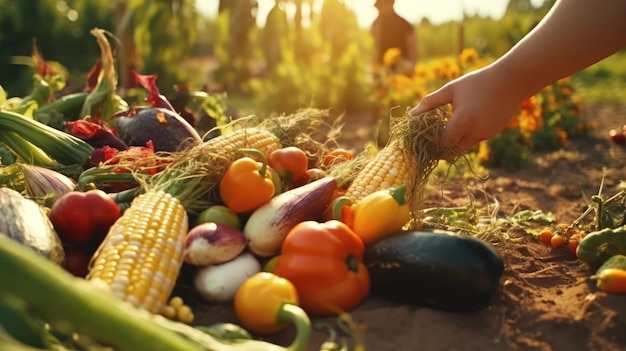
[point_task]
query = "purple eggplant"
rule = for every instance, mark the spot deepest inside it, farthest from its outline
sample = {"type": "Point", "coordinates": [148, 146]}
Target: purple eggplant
{"type": "Point", "coordinates": [167, 129]}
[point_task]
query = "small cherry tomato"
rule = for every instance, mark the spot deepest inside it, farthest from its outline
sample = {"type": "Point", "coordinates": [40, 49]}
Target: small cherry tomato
{"type": "Point", "coordinates": [557, 240]}
{"type": "Point", "coordinates": [572, 243]}
{"type": "Point", "coordinates": [336, 156]}
{"type": "Point", "coordinates": [546, 236]}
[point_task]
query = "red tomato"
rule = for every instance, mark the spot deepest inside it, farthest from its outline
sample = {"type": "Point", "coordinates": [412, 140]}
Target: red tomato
{"type": "Point", "coordinates": [76, 261]}
{"type": "Point", "coordinates": [290, 162]}
{"type": "Point", "coordinates": [80, 217]}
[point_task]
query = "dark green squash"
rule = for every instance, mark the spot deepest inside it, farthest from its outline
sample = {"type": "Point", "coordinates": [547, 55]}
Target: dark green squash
{"type": "Point", "coordinates": [25, 221]}
{"type": "Point", "coordinates": [435, 269]}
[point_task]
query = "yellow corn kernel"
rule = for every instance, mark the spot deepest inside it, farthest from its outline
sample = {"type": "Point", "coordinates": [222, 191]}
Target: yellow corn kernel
{"type": "Point", "coordinates": [168, 312]}
{"type": "Point", "coordinates": [176, 302]}
{"type": "Point", "coordinates": [185, 315]}
{"type": "Point", "coordinates": [177, 310]}
{"type": "Point", "coordinates": [255, 138]}
{"type": "Point", "coordinates": [141, 256]}
{"type": "Point", "coordinates": [388, 169]}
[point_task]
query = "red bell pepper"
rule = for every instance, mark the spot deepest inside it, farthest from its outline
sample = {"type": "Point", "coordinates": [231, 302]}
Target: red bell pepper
{"type": "Point", "coordinates": [80, 217]}
{"type": "Point", "coordinates": [324, 263]}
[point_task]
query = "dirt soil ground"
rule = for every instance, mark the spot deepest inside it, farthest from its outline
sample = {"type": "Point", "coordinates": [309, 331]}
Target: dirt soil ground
{"type": "Point", "coordinates": [547, 301]}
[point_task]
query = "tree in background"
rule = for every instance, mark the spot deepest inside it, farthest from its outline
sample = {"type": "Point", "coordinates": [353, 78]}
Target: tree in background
{"type": "Point", "coordinates": [236, 20]}
{"type": "Point", "coordinates": [161, 31]}
{"type": "Point", "coordinates": [273, 38]}
{"type": "Point", "coordinates": [164, 33]}
{"type": "Point", "coordinates": [61, 31]}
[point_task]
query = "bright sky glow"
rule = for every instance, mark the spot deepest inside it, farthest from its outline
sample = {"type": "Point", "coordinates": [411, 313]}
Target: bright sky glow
{"type": "Point", "coordinates": [437, 11]}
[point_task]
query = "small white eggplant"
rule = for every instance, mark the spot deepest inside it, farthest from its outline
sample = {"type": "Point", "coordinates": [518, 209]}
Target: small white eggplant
{"type": "Point", "coordinates": [213, 243]}
{"type": "Point", "coordinates": [219, 283]}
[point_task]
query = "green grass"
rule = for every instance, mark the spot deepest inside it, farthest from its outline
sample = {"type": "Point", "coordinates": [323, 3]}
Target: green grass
{"type": "Point", "coordinates": [604, 81]}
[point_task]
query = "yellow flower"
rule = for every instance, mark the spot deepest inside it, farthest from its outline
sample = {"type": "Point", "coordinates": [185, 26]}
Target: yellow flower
{"type": "Point", "coordinates": [468, 56]}
{"type": "Point", "coordinates": [391, 57]}
{"type": "Point", "coordinates": [422, 72]}
{"type": "Point", "coordinates": [453, 72]}
{"type": "Point", "coordinates": [437, 69]}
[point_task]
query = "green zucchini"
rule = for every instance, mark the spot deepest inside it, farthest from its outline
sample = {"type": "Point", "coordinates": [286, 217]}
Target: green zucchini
{"type": "Point", "coordinates": [25, 221]}
{"type": "Point", "coordinates": [435, 269]}
{"type": "Point", "coordinates": [599, 246]}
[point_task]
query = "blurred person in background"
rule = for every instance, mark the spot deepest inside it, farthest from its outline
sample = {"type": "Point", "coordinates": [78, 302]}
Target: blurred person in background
{"type": "Point", "coordinates": [390, 30]}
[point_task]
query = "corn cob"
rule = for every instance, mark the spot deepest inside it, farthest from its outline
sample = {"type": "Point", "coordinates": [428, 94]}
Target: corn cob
{"type": "Point", "coordinates": [389, 168]}
{"type": "Point", "coordinates": [141, 256]}
{"type": "Point", "coordinates": [255, 138]}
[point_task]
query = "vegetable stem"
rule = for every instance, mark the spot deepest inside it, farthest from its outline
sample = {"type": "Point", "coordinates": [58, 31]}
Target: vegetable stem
{"type": "Point", "coordinates": [293, 314]}
{"type": "Point", "coordinates": [352, 262]}
{"type": "Point", "coordinates": [398, 194]}
{"type": "Point", "coordinates": [96, 175]}
{"type": "Point", "coordinates": [258, 154]}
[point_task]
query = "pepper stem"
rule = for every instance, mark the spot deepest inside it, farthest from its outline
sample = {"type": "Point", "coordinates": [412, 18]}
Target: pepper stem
{"type": "Point", "coordinates": [398, 194]}
{"type": "Point", "coordinates": [259, 155]}
{"type": "Point", "coordinates": [352, 263]}
{"type": "Point", "coordinates": [292, 314]}
{"type": "Point", "coordinates": [338, 205]}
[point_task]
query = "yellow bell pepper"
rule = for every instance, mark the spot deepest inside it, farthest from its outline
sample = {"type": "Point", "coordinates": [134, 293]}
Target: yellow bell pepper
{"type": "Point", "coordinates": [376, 216]}
{"type": "Point", "coordinates": [266, 304]}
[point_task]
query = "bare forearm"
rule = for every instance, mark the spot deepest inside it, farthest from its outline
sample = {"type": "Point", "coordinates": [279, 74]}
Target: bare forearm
{"type": "Point", "coordinates": [574, 35]}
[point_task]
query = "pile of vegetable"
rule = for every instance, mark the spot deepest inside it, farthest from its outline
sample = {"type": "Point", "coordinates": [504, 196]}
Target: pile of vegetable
{"type": "Point", "coordinates": [105, 203]}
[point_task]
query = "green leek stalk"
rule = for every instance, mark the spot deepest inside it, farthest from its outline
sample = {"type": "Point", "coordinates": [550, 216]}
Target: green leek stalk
{"type": "Point", "coordinates": [72, 304]}
{"type": "Point", "coordinates": [64, 148]}
{"type": "Point", "coordinates": [66, 108]}
{"type": "Point", "coordinates": [28, 152]}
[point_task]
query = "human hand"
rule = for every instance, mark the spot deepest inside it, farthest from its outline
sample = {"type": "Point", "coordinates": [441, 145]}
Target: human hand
{"type": "Point", "coordinates": [483, 102]}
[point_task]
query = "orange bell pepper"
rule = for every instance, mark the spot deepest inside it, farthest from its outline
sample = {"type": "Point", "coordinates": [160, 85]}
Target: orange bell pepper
{"type": "Point", "coordinates": [376, 216]}
{"type": "Point", "coordinates": [247, 183]}
{"type": "Point", "coordinates": [324, 263]}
